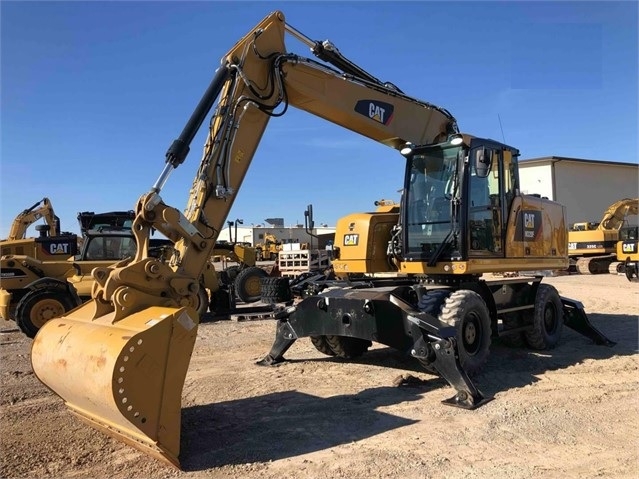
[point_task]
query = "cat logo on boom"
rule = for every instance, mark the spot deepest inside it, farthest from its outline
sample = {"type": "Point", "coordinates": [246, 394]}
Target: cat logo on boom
{"type": "Point", "coordinates": [379, 111]}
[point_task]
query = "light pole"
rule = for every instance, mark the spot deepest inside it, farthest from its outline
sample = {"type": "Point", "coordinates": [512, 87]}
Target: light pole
{"type": "Point", "coordinates": [229, 224]}
{"type": "Point", "coordinates": [237, 220]}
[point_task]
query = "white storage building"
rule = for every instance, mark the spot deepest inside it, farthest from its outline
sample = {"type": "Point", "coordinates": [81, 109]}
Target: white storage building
{"type": "Point", "coordinates": [585, 187]}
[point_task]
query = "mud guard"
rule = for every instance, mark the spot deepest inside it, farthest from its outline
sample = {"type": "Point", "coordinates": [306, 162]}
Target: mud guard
{"type": "Point", "coordinates": [575, 318]}
{"type": "Point", "coordinates": [124, 378]}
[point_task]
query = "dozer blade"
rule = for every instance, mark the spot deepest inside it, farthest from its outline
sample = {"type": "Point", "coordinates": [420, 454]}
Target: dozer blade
{"type": "Point", "coordinates": [123, 378]}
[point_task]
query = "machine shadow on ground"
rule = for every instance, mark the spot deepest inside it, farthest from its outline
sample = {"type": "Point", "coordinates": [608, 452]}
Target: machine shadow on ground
{"type": "Point", "coordinates": [291, 423]}
{"type": "Point", "coordinates": [285, 424]}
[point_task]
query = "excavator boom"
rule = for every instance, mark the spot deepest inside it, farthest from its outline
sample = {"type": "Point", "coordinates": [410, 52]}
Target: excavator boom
{"type": "Point", "coordinates": [132, 342]}
{"type": "Point", "coordinates": [41, 209]}
{"type": "Point", "coordinates": [615, 216]}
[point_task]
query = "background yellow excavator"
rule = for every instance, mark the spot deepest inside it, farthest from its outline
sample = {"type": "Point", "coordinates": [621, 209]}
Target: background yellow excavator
{"type": "Point", "coordinates": [119, 361]}
{"type": "Point", "coordinates": [593, 246]}
{"type": "Point", "coordinates": [41, 209]}
{"type": "Point", "coordinates": [51, 243]}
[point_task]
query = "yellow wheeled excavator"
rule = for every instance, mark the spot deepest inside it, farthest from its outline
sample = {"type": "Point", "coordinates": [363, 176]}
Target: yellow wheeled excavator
{"type": "Point", "coordinates": [120, 360]}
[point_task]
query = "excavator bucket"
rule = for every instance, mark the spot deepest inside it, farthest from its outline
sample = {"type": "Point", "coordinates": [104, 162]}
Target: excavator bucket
{"type": "Point", "coordinates": [124, 378]}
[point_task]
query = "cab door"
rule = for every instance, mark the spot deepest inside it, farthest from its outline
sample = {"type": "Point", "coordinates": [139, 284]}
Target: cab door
{"type": "Point", "coordinates": [485, 202]}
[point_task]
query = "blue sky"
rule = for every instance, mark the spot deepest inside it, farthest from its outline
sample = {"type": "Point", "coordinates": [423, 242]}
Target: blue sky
{"type": "Point", "coordinates": [93, 94]}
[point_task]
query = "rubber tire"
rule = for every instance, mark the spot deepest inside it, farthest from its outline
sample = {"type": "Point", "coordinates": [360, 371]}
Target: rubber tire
{"type": "Point", "coordinates": [548, 319]}
{"type": "Point", "coordinates": [431, 302]}
{"type": "Point", "coordinates": [347, 347]}
{"type": "Point", "coordinates": [467, 312]}
{"type": "Point", "coordinates": [232, 272]}
{"type": "Point", "coordinates": [321, 344]}
{"type": "Point", "coordinates": [203, 301]}
{"type": "Point", "coordinates": [219, 301]}
{"type": "Point", "coordinates": [275, 289]}
{"type": "Point", "coordinates": [247, 284]}
{"type": "Point", "coordinates": [57, 303]}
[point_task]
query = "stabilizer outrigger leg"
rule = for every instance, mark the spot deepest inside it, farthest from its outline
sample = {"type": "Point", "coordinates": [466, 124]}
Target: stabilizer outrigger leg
{"type": "Point", "coordinates": [442, 355]}
{"type": "Point", "coordinates": [285, 336]}
{"type": "Point", "coordinates": [575, 318]}
{"type": "Point", "coordinates": [432, 342]}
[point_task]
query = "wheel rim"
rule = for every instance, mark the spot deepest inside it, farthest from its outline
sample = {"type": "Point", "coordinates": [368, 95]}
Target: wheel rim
{"type": "Point", "coordinates": [550, 318]}
{"type": "Point", "coordinates": [45, 310]}
{"type": "Point", "coordinates": [253, 286]}
{"type": "Point", "coordinates": [471, 333]}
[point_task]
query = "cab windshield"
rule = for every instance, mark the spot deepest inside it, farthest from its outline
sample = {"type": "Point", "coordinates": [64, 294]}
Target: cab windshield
{"type": "Point", "coordinates": [430, 187]}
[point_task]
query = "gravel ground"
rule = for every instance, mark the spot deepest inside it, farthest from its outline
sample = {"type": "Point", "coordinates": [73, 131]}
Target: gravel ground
{"type": "Point", "coordinates": [570, 412]}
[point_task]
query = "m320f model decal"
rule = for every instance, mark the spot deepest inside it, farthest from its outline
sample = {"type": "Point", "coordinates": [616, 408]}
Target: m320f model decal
{"type": "Point", "coordinates": [379, 111]}
{"type": "Point", "coordinates": [528, 226]}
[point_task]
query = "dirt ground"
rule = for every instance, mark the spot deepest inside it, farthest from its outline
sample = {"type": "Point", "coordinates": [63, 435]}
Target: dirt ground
{"type": "Point", "coordinates": [570, 412]}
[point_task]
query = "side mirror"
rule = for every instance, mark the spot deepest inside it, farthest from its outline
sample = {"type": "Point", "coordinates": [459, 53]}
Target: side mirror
{"type": "Point", "coordinates": [483, 161]}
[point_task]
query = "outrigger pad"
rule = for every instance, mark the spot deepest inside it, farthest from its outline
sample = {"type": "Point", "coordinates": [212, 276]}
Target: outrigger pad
{"type": "Point", "coordinates": [575, 318]}
{"type": "Point", "coordinates": [446, 361]}
{"type": "Point", "coordinates": [123, 378]}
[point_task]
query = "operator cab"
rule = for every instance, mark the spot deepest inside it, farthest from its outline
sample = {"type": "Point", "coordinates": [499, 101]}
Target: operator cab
{"type": "Point", "coordinates": [108, 245]}
{"type": "Point", "coordinates": [456, 199]}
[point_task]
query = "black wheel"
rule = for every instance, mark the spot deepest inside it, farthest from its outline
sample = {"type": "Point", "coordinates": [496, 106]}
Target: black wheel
{"type": "Point", "coordinates": [272, 256]}
{"type": "Point", "coordinates": [219, 301]}
{"type": "Point", "coordinates": [232, 272]}
{"type": "Point", "coordinates": [347, 347]}
{"type": "Point", "coordinates": [275, 290]}
{"type": "Point", "coordinates": [431, 302]}
{"type": "Point", "coordinates": [39, 306]}
{"type": "Point", "coordinates": [548, 319]}
{"type": "Point", "coordinates": [467, 311]}
{"type": "Point", "coordinates": [203, 301]}
{"type": "Point", "coordinates": [513, 340]}
{"type": "Point", "coordinates": [247, 284]}
{"type": "Point", "coordinates": [630, 269]}
{"type": "Point", "coordinates": [321, 344]}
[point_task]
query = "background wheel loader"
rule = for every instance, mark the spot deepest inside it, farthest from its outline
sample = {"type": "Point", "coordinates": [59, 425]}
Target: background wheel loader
{"type": "Point", "coordinates": [33, 291]}
{"type": "Point", "coordinates": [240, 275]}
{"type": "Point", "coordinates": [410, 279]}
{"type": "Point", "coordinates": [269, 249]}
